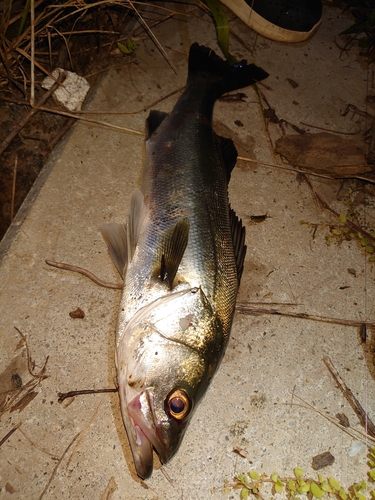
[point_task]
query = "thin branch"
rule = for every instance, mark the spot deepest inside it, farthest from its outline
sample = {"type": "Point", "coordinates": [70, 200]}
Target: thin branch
{"type": "Point", "coordinates": [246, 309]}
{"type": "Point", "coordinates": [57, 466]}
{"type": "Point", "coordinates": [240, 307]}
{"type": "Point", "coordinates": [85, 272]}
{"type": "Point", "coordinates": [71, 394]}
{"type": "Point", "coordinates": [7, 436]}
{"type": "Point", "coordinates": [84, 432]}
{"type": "Point", "coordinates": [13, 189]}
{"type": "Point", "coordinates": [354, 403]}
{"type": "Point", "coordinates": [32, 112]}
{"type": "Point", "coordinates": [32, 61]}
{"type": "Point", "coordinates": [305, 171]}
{"type": "Point", "coordinates": [90, 120]}
{"type": "Point", "coordinates": [153, 37]}
{"type": "Point", "coordinates": [325, 206]}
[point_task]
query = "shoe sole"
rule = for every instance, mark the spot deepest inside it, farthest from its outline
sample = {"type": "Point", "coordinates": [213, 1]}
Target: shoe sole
{"type": "Point", "coordinates": [266, 28]}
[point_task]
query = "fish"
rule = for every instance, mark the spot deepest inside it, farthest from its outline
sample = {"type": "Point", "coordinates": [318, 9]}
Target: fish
{"type": "Point", "coordinates": [181, 253]}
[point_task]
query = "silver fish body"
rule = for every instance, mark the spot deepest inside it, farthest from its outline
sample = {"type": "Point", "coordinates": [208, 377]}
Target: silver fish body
{"type": "Point", "coordinates": [181, 254]}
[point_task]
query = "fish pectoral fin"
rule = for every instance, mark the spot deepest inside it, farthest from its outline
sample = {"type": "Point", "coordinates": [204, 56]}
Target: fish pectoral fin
{"type": "Point", "coordinates": [122, 239]}
{"type": "Point", "coordinates": [155, 118]}
{"type": "Point", "coordinates": [229, 154]}
{"type": "Point", "coordinates": [171, 250]}
{"type": "Point", "coordinates": [238, 238]}
{"type": "Point", "coordinates": [115, 236]}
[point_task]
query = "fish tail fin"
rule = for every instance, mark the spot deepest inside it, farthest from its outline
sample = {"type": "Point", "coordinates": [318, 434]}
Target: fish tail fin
{"type": "Point", "coordinates": [221, 77]}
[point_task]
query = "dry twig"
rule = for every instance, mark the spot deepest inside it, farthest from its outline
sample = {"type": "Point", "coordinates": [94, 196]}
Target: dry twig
{"type": "Point", "coordinates": [85, 272]}
{"type": "Point", "coordinates": [23, 122]}
{"type": "Point", "coordinates": [71, 394]}
{"type": "Point", "coordinates": [57, 466]}
{"type": "Point", "coordinates": [354, 403]}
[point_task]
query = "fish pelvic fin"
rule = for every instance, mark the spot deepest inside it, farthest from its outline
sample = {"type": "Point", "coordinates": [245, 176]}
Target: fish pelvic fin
{"type": "Point", "coordinates": [238, 238]}
{"type": "Point", "coordinates": [221, 76]}
{"type": "Point", "coordinates": [171, 250]}
{"type": "Point", "coordinates": [122, 239]}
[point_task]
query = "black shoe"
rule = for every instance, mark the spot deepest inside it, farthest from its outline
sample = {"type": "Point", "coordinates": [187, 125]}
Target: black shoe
{"type": "Point", "coordinates": [282, 20]}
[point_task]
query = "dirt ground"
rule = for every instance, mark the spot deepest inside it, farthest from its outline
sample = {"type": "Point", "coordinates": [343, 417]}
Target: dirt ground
{"type": "Point", "coordinates": [88, 52]}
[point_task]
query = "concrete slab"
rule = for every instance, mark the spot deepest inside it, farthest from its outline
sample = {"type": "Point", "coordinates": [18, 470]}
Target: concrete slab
{"type": "Point", "coordinates": [73, 450]}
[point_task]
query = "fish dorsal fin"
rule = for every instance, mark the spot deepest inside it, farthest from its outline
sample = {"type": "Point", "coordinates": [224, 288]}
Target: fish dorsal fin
{"type": "Point", "coordinates": [121, 239]}
{"type": "Point", "coordinates": [238, 238]}
{"type": "Point", "coordinates": [171, 250]}
{"type": "Point", "coordinates": [115, 236]}
{"type": "Point", "coordinates": [155, 118]}
{"type": "Point", "coordinates": [228, 153]}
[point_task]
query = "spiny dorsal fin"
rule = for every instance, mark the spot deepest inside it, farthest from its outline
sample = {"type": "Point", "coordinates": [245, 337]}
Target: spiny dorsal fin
{"type": "Point", "coordinates": [122, 239]}
{"type": "Point", "coordinates": [115, 236]}
{"type": "Point", "coordinates": [171, 250]}
{"type": "Point", "coordinates": [153, 121]}
{"type": "Point", "coordinates": [229, 154]}
{"type": "Point", "coordinates": [238, 238]}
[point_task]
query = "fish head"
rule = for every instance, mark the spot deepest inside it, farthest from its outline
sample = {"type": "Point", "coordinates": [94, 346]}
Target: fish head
{"type": "Point", "coordinates": [165, 362]}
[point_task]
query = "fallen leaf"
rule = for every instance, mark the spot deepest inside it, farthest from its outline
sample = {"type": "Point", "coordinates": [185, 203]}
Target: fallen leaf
{"type": "Point", "coordinates": [324, 153]}
{"type": "Point", "coordinates": [78, 313]}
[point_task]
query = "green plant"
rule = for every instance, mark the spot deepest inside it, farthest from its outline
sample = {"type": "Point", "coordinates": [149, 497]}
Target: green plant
{"type": "Point", "coordinates": [344, 231]}
{"type": "Point", "coordinates": [363, 30]}
{"type": "Point", "coordinates": [297, 485]}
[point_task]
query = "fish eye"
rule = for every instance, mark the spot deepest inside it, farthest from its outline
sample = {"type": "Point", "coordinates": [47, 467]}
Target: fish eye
{"type": "Point", "coordinates": [178, 404]}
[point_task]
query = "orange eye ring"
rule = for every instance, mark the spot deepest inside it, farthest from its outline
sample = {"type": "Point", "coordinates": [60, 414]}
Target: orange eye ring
{"type": "Point", "coordinates": [178, 404]}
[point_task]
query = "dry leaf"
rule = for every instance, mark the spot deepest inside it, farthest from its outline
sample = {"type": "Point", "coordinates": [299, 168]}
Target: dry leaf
{"type": "Point", "coordinates": [324, 153]}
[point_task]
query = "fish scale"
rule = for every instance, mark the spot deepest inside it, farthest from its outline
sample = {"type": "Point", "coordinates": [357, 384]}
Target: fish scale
{"type": "Point", "coordinates": [181, 253]}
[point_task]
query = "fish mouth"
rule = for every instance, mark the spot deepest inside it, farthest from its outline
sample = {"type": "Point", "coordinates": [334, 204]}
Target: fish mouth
{"type": "Point", "coordinates": [145, 433]}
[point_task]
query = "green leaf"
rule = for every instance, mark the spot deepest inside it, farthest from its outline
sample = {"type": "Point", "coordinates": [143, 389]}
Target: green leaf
{"type": "Point", "coordinates": [360, 496]}
{"type": "Point", "coordinates": [316, 491]}
{"type": "Point", "coordinates": [242, 479]}
{"type": "Point", "coordinates": [369, 249]}
{"type": "Point", "coordinates": [363, 241]}
{"type": "Point", "coordinates": [222, 28]}
{"type": "Point", "coordinates": [274, 477]}
{"type": "Point", "coordinates": [352, 235]}
{"type": "Point", "coordinates": [336, 231]}
{"type": "Point", "coordinates": [342, 494]}
{"type": "Point", "coordinates": [372, 258]}
{"type": "Point", "coordinates": [128, 48]}
{"type": "Point", "coordinates": [303, 489]}
{"type": "Point", "coordinates": [334, 483]}
{"type": "Point", "coordinates": [372, 493]}
{"type": "Point", "coordinates": [291, 485]}
{"type": "Point", "coordinates": [326, 487]}
{"type": "Point", "coordinates": [372, 474]}
{"type": "Point", "coordinates": [25, 14]}
{"type": "Point", "coordinates": [298, 472]}
{"type": "Point", "coordinates": [279, 487]}
{"type": "Point", "coordinates": [253, 474]}
{"type": "Point", "coordinates": [343, 218]}
{"type": "Point", "coordinates": [244, 493]}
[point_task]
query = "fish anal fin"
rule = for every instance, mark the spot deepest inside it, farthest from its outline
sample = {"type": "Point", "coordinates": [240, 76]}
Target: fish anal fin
{"type": "Point", "coordinates": [171, 250]}
{"type": "Point", "coordinates": [155, 118]}
{"type": "Point", "coordinates": [115, 236]}
{"type": "Point", "coordinates": [238, 238]}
